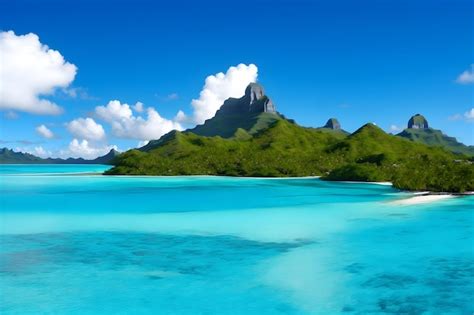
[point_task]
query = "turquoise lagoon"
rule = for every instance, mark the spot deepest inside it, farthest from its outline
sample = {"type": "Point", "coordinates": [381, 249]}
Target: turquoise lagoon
{"type": "Point", "coordinates": [75, 242]}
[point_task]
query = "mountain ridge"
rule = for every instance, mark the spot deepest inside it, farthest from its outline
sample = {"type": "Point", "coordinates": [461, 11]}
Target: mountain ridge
{"type": "Point", "coordinates": [282, 148]}
{"type": "Point", "coordinates": [418, 130]}
{"type": "Point", "coordinates": [9, 156]}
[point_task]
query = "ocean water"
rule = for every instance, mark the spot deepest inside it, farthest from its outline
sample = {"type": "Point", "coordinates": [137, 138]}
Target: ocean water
{"type": "Point", "coordinates": [75, 242]}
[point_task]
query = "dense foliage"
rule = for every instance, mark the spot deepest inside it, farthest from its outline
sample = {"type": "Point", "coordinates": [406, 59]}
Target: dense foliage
{"type": "Point", "coordinates": [434, 137]}
{"type": "Point", "coordinates": [286, 149]}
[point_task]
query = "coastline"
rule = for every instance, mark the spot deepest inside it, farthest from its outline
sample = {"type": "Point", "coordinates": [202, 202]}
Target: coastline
{"type": "Point", "coordinates": [417, 199]}
{"type": "Point", "coordinates": [413, 197]}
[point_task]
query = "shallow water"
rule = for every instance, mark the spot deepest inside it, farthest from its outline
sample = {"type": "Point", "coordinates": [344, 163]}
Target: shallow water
{"type": "Point", "coordinates": [73, 243]}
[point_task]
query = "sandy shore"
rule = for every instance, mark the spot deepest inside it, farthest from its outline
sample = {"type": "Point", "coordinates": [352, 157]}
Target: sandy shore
{"type": "Point", "coordinates": [420, 199]}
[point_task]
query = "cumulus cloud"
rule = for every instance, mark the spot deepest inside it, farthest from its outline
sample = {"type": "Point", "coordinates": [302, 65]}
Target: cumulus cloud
{"type": "Point", "coordinates": [84, 149]}
{"type": "Point", "coordinates": [138, 107]}
{"type": "Point", "coordinates": [41, 152]}
{"type": "Point", "coordinates": [115, 111]}
{"type": "Point", "coordinates": [126, 125]}
{"type": "Point", "coordinates": [182, 118]}
{"type": "Point", "coordinates": [219, 87]}
{"type": "Point", "coordinates": [467, 77]}
{"type": "Point", "coordinates": [28, 70]}
{"type": "Point", "coordinates": [44, 131]}
{"type": "Point", "coordinates": [86, 128]}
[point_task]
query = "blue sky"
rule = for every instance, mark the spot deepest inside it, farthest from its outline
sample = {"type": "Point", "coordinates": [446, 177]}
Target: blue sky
{"type": "Point", "coordinates": [360, 61]}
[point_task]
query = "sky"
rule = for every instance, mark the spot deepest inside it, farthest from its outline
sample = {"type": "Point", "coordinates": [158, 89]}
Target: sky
{"type": "Point", "coordinates": [80, 77]}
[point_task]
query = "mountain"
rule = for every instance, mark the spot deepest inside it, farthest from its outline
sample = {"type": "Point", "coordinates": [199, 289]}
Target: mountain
{"type": "Point", "coordinates": [8, 156]}
{"type": "Point", "coordinates": [236, 118]}
{"type": "Point", "coordinates": [252, 112]}
{"type": "Point", "coordinates": [333, 126]}
{"type": "Point", "coordinates": [419, 131]}
{"type": "Point", "coordinates": [283, 148]}
{"type": "Point", "coordinates": [106, 159]}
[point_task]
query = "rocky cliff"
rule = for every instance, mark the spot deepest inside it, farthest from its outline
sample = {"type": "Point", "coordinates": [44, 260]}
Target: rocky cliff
{"type": "Point", "coordinates": [418, 122]}
{"type": "Point", "coordinates": [252, 112]}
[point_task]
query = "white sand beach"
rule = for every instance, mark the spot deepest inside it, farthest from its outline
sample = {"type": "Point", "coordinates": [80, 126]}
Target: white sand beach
{"type": "Point", "coordinates": [420, 199]}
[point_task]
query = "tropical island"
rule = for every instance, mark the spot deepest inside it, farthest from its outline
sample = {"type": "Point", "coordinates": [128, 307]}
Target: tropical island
{"type": "Point", "coordinates": [248, 137]}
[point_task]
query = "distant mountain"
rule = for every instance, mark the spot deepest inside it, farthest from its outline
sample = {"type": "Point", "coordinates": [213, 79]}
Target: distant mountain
{"type": "Point", "coordinates": [240, 142]}
{"type": "Point", "coordinates": [106, 159]}
{"type": "Point", "coordinates": [333, 126]}
{"type": "Point", "coordinates": [8, 156]}
{"type": "Point", "coordinates": [419, 131]}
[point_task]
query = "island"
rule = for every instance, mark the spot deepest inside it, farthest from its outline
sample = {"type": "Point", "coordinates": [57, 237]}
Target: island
{"type": "Point", "coordinates": [249, 137]}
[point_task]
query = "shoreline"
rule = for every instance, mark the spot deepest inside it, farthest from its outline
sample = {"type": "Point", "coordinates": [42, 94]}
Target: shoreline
{"type": "Point", "coordinates": [422, 199]}
{"type": "Point", "coordinates": [417, 197]}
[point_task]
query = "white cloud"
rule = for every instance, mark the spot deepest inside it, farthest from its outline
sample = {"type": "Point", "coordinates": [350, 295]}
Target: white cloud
{"type": "Point", "coordinates": [142, 143]}
{"type": "Point", "coordinates": [221, 86]}
{"type": "Point", "coordinates": [181, 117]}
{"type": "Point", "coordinates": [41, 152]}
{"type": "Point", "coordinates": [37, 151]}
{"type": "Point", "coordinates": [126, 125]}
{"type": "Point", "coordinates": [86, 128]}
{"type": "Point", "coordinates": [76, 149]}
{"type": "Point", "coordinates": [85, 150]}
{"type": "Point", "coordinates": [44, 131]}
{"type": "Point", "coordinates": [467, 77]}
{"type": "Point", "coordinates": [469, 115]}
{"type": "Point", "coordinates": [29, 69]}
{"type": "Point", "coordinates": [395, 128]}
{"type": "Point", "coordinates": [138, 107]}
{"type": "Point", "coordinates": [114, 111]}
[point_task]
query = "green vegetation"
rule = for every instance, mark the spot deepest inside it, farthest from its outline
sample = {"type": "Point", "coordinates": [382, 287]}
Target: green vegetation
{"type": "Point", "coordinates": [226, 125]}
{"type": "Point", "coordinates": [435, 137]}
{"type": "Point", "coordinates": [286, 149]}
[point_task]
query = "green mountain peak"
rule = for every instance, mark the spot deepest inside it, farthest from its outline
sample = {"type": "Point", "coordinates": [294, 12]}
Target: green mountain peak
{"type": "Point", "coordinates": [419, 131]}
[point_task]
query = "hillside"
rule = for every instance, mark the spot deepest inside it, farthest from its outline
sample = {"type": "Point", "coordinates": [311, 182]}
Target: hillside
{"type": "Point", "coordinates": [8, 156]}
{"type": "Point", "coordinates": [436, 137]}
{"type": "Point", "coordinates": [248, 137]}
{"type": "Point", "coordinates": [285, 149]}
{"type": "Point", "coordinates": [418, 130]}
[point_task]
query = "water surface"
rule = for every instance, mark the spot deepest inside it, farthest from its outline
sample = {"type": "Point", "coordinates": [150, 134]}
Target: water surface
{"type": "Point", "coordinates": [72, 242]}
